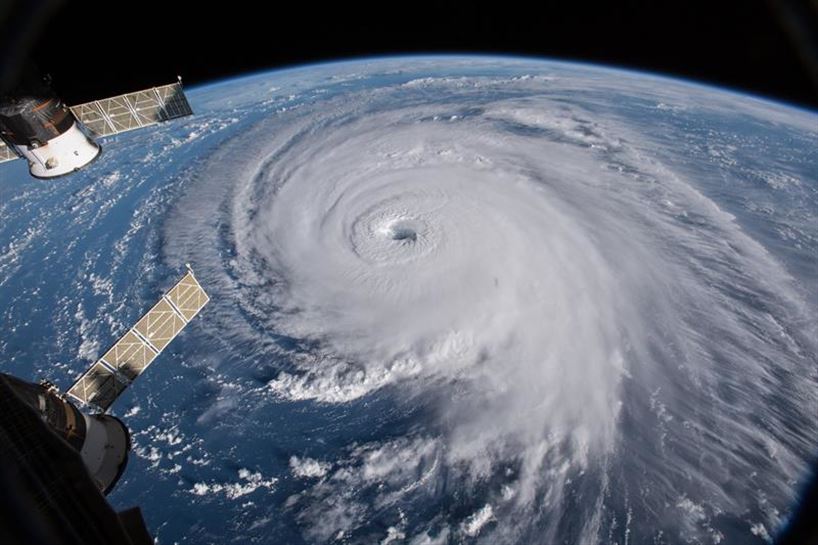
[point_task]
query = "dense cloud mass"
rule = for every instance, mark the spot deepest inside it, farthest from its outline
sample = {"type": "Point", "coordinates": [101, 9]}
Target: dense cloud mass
{"type": "Point", "coordinates": [593, 330]}
{"type": "Point", "coordinates": [525, 287]}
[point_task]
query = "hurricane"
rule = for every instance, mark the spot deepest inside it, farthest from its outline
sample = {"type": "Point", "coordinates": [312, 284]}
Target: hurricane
{"type": "Point", "coordinates": [509, 310]}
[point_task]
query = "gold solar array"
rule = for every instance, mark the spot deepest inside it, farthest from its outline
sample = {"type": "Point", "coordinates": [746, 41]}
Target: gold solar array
{"type": "Point", "coordinates": [130, 111]}
{"type": "Point", "coordinates": [128, 358]}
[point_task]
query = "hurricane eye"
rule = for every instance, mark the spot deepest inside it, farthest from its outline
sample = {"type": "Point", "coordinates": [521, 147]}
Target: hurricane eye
{"type": "Point", "coordinates": [403, 231]}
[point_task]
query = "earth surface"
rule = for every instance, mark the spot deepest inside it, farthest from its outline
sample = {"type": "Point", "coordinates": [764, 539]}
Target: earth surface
{"type": "Point", "coordinates": [454, 300]}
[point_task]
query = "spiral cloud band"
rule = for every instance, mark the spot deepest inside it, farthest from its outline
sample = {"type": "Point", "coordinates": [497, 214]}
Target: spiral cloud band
{"type": "Point", "coordinates": [591, 345]}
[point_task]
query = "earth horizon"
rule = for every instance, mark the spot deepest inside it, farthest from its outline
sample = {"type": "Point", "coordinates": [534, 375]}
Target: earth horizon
{"type": "Point", "coordinates": [454, 299]}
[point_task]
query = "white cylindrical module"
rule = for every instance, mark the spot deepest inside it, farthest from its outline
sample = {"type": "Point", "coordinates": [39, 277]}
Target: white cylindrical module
{"type": "Point", "coordinates": [62, 154]}
{"type": "Point", "coordinates": [102, 441]}
{"type": "Point", "coordinates": [40, 128]}
{"type": "Point", "coordinates": [105, 449]}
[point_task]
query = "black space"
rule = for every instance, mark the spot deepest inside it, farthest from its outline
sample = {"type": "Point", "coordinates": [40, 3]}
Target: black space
{"type": "Point", "coordinates": [94, 48]}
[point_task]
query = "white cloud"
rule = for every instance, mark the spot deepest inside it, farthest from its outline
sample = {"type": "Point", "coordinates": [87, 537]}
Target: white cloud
{"type": "Point", "coordinates": [475, 523]}
{"type": "Point", "coordinates": [307, 467]}
{"type": "Point", "coordinates": [248, 483]}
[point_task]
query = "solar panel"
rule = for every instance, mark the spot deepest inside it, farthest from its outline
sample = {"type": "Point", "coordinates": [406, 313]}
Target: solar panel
{"type": "Point", "coordinates": [128, 358]}
{"type": "Point", "coordinates": [160, 325]}
{"type": "Point", "coordinates": [130, 355]}
{"type": "Point", "coordinates": [133, 110]}
{"type": "Point", "coordinates": [98, 386]}
{"type": "Point", "coordinates": [188, 297]}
